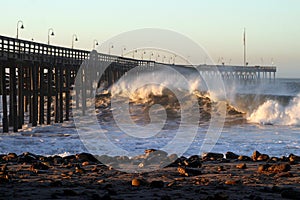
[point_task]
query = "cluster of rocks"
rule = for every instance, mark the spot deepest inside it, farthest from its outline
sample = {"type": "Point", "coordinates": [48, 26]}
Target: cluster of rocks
{"type": "Point", "coordinates": [215, 169]}
{"type": "Point", "coordinates": [151, 159]}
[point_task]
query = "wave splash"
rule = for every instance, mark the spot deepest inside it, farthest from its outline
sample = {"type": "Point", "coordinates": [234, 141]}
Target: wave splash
{"type": "Point", "coordinates": [273, 113]}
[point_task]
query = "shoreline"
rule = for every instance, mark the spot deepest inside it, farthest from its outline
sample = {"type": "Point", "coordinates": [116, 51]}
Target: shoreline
{"type": "Point", "coordinates": [210, 176]}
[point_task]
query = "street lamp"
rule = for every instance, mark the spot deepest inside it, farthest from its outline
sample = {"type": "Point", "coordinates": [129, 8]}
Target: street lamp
{"type": "Point", "coordinates": [95, 43]}
{"type": "Point", "coordinates": [74, 38]}
{"type": "Point", "coordinates": [157, 56]}
{"type": "Point", "coordinates": [152, 54]}
{"type": "Point", "coordinates": [22, 27]}
{"type": "Point", "coordinates": [135, 51]}
{"type": "Point", "coordinates": [50, 34]}
{"type": "Point", "coordinates": [123, 49]}
{"type": "Point", "coordinates": [143, 55]}
{"type": "Point", "coordinates": [110, 47]}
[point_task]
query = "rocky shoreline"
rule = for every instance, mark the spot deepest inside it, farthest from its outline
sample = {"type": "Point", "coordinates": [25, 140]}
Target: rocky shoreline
{"type": "Point", "coordinates": [209, 176]}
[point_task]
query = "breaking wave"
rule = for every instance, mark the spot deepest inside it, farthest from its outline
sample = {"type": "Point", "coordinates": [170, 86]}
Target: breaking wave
{"type": "Point", "coordinates": [273, 112]}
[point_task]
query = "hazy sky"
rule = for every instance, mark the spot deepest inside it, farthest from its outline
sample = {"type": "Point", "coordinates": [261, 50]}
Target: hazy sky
{"type": "Point", "coordinates": [273, 26]}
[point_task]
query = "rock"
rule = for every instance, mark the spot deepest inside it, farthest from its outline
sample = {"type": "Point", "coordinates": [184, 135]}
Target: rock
{"type": "Point", "coordinates": [157, 153]}
{"type": "Point", "coordinates": [83, 157]}
{"type": "Point", "coordinates": [212, 156]}
{"type": "Point", "coordinates": [28, 157]}
{"type": "Point", "coordinates": [69, 158]}
{"type": "Point", "coordinates": [38, 166]}
{"type": "Point", "coordinates": [230, 155]}
{"type": "Point", "coordinates": [177, 162]}
{"type": "Point", "coordinates": [263, 157]}
{"type": "Point", "coordinates": [255, 155]}
{"type": "Point", "coordinates": [277, 168]}
{"type": "Point", "coordinates": [284, 159]}
{"type": "Point", "coordinates": [263, 167]}
{"type": "Point", "coordinates": [157, 184]}
{"type": "Point", "coordinates": [274, 159]}
{"type": "Point", "coordinates": [244, 158]}
{"type": "Point", "coordinates": [193, 162]}
{"type": "Point", "coordinates": [290, 194]}
{"type": "Point", "coordinates": [188, 171]}
{"type": "Point", "coordinates": [241, 166]}
{"type": "Point", "coordinates": [147, 151]}
{"type": "Point", "coordinates": [10, 157]}
{"type": "Point", "coordinates": [138, 182]}
{"type": "Point", "coordinates": [293, 158]}
{"type": "Point", "coordinates": [57, 160]}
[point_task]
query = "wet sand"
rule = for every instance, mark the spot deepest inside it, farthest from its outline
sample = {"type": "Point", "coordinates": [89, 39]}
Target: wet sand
{"type": "Point", "coordinates": [29, 176]}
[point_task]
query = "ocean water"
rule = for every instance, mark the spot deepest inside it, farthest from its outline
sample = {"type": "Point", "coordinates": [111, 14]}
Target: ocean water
{"type": "Point", "coordinates": [270, 122]}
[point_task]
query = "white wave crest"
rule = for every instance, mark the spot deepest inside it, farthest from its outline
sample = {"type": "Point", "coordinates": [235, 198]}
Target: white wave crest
{"type": "Point", "coordinates": [271, 112]}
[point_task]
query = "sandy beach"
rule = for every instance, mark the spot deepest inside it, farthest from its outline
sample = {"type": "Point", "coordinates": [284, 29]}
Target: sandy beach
{"type": "Point", "coordinates": [81, 176]}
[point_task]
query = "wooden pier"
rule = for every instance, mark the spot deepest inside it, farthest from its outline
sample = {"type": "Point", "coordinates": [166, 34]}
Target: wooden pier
{"type": "Point", "coordinates": [37, 80]}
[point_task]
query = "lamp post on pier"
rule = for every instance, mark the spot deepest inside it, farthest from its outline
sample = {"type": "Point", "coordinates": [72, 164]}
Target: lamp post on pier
{"type": "Point", "coordinates": [74, 39]}
{"type": "Point", "coordinates": [123, 49]}
{"type": "Point", "coordinates": [52, 34]}
{"type": "Point", "coordinates": [22, 27]}
{"type": "Point", "coordinates": [111, 46]}
{"type": "Point", "coordinates": [95, 43]}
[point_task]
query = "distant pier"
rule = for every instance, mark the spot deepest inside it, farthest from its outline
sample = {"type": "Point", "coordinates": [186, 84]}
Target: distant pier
{"type": "Point", "coordinates": [37, 79]}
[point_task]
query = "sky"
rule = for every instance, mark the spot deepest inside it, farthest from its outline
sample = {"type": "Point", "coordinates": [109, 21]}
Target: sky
{"type": "Point", "coordinates": [272, 27]}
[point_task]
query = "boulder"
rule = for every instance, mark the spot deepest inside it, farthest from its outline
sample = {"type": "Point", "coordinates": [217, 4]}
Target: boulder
{"type": "Point", "coordinates": [255, 155]}
{"type": "Point", "coordinates": [212, 156]}
{"type": "Point", "coordinates": [230, 155]}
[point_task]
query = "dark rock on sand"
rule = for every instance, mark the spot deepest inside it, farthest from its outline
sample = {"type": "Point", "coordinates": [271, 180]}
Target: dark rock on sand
{"type": "Point", "coordinates": [284, 159]}
{"type": "Point", "coordinates": [136, 182]}
{"type": "Point", "coordinates": [274, 159]}
{"type": "Point", "coordinates": [255, 155]}
{"type": "Point", "coordinates": [10, 157]}
{"type": "Point", "coordinates": [263, 157]}
{"type": "Point", "coordinates": [38, 166]}
{"type": "Point", "coordinates": [244, 158]}
{"type": "Point", "coordinates": [230, 155]}
{"type": "Point", "coordinates": [27, 157]}
{"type": "Point", "coordinates": [294, 159]}
{"type": "Point", "coordinates": [241, 166]}
{"type": "Point", "coordinates": [188, 171]}
{"type": "Point", "coordinates": [193, 162]}
{"type": "Point", "coordinates": [83, 157]}
{"type": "Point", "coordinates": [275, 168]}
{"type": "Point", "coordinates": [263, 167]}
{"type": "Point", "coordinates": [147, 151]}
{"type": "Point", "coordinates": [212, 156]}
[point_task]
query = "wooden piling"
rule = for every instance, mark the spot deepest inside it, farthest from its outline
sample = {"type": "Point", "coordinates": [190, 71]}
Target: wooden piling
{"type": "Point", "coordinates": [4, 101]}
